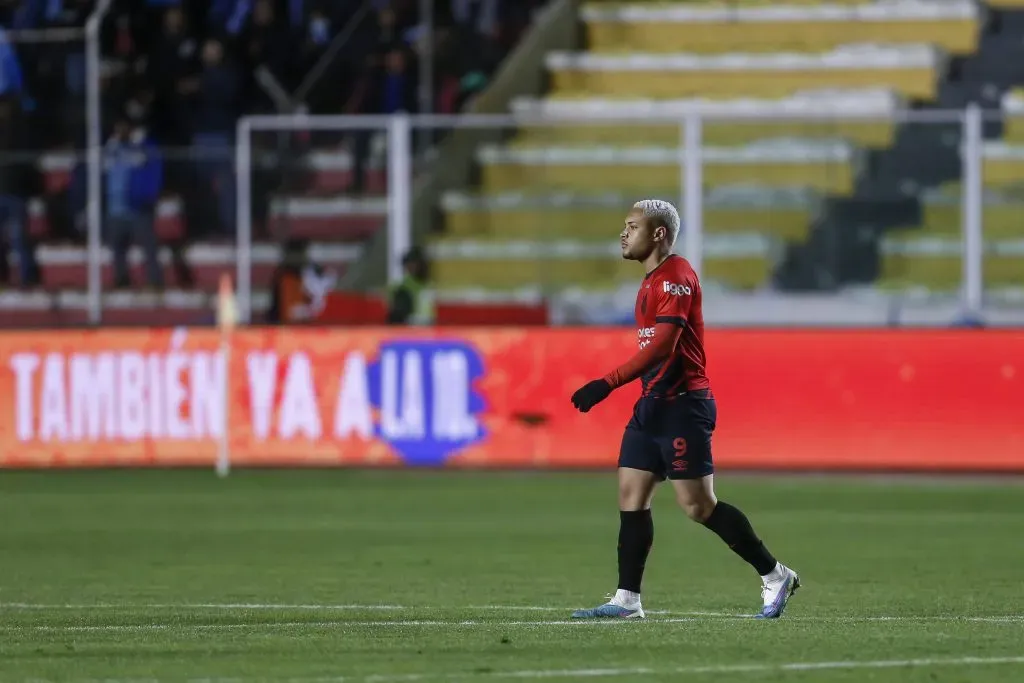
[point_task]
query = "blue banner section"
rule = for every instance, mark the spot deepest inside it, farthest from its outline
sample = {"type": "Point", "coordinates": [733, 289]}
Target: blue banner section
{"type": "Point", "coordinates": [427, 407]}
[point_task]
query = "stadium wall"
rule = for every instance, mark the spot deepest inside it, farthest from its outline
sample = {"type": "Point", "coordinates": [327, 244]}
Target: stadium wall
{"type": "Point", "coordinates": [880, 400]}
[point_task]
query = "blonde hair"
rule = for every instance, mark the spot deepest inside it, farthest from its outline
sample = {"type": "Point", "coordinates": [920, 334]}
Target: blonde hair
{"type": "Point", "coordinates": [663, 213]}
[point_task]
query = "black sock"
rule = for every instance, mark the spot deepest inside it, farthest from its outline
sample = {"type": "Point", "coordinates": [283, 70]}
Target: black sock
{"type": "Point", "coordinates": [733, 527]}
{"type": "Point", "coordinates": [636, 534]}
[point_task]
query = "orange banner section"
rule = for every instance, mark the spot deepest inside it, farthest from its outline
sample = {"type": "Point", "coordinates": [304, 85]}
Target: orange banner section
{"type": "Point", "coordinates": [871, 400]}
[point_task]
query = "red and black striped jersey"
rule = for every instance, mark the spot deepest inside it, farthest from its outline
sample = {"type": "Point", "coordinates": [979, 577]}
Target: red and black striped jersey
{"type": "Point", "coordinates": [671, 293]}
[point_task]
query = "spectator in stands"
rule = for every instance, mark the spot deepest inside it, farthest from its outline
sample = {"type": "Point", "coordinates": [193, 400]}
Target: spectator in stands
{"type": "Point", "coordinates": [411, 302]}
{"type": "Point", "coordinates": [61, 70]}
{"type": "Point", "coordinates": [134, 180]}
{"type": "Point", "coordinates": [218, 105]}
{"type": "Point", "coordinates": [387, 26]}
{"type": "Point", "coordinates": [268, 43]}
{"type": "Point", "coordinates": [318, 30]}
{"type": "Point", "coordinates": [480, 14]}
{"type": "Point", "coordinates": [139, 107]}
{"type": "Point", "coordinates": [51, 13]}
{"type": "Point", "coordinates": [388, 89]}
{"type": "Point", "coordinates": [11, 80]}
{"type": "Point", "coordinates": [315, 41]}
{"type": "Point", "coordinates": [230, 16]}
{"type": "Point", "coordinates": [397, 84]}
{"type": "Point", "coordinates": [17, 14]}
{"type": "Point", "coordinates": [218, 95]}
{"type": "Point", "coordinates": [299, 287]}
{"type": "Point", "coordinates": [193, 91]}
{"type": "Point", "coordinates": [174, 75]}
{"type": "Point", "coordinates": [16, 186]}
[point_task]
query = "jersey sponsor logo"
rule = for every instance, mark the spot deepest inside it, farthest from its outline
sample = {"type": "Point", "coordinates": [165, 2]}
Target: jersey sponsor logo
{"type": "Point", "coordinates": [644, 336]}
{"type": "Point", "coordinates": [676, 290]}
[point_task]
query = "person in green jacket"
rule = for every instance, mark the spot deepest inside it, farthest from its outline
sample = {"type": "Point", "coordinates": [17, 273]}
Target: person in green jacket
{"type": "Point", "coordinates": [411, 302]}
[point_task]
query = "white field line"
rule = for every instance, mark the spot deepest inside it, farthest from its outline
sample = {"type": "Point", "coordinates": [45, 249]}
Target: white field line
{"type": "Point", "coordinates": [195, 606]}
{"type": "Point", "coordinates": [21, 606]}
{"type": "Point", "coordinates": [317, 624]}
{"type": "Point", "coordinates": [679, 615]}
{"type": "Point", "coordinates": [692, 670]}
{"type": "Point", "coordinates": [852, 665]}
{"type": "Point", "coordinates": [425, 623]}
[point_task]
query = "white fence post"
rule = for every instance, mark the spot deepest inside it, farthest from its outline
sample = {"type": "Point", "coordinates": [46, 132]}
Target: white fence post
{"type": "Point", "coordinates": [243, 219]}
{"type": "Point", "coordinates": [971, 204]}
{"type": "Point", "coordinates": [399, 193]}
{"type": "Point", "coordinates": [693, 189]}
{"type": "Point", "coordinates": [94, 162]}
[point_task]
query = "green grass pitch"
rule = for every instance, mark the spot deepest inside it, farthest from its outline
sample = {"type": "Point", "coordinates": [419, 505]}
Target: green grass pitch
{"type": "Point", "coordinates": [392, 577]}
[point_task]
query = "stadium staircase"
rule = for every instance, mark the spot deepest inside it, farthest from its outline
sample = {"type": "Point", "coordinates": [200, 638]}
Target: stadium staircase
{"type": "Point", "coordinates": [788, 205]}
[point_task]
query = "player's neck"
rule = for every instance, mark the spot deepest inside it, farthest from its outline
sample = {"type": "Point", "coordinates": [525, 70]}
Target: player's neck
{"type": "Point", "coordinates": [655, 259]}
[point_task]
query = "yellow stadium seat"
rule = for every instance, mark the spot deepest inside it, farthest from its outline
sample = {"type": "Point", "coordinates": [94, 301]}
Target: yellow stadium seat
{"type": "Point", "coordinates": [912, 82]}
{"type": "Point", "coordinates": [600, 273]}
{"type": "Point", "coordinates": [998, 173]}
{"type": "Point", "coordinates": [738, 273]}
{"type": "Point", "coordinates": [1013, 129]}
{"type": "Point", "coordinates": [901, 271]}
{"type": "Point", "coordinates": [731, 3]}
{"type": "Point", "coordinates": [958, 36]}
{"type": "Point", "coordinates": [1013, 110]}
{"type": "Point", "coordinates": [867, 133]}
{"type": "Point", "coordinates": [499, 177]}
{"type": "Point", "coordinates": [604, 224]}
{"type": "Point", "coordinates": [604, 272]}
{"type": "Point", "coordinates": [999, 221]}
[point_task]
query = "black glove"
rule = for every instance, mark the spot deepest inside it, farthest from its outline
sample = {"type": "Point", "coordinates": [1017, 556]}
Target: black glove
{"type": "Point", "coordinates": [590, 394]}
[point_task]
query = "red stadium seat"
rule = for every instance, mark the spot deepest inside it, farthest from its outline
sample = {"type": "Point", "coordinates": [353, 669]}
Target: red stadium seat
{"type": "Point", "coordinates": [170, 220]}
{"type": "Point", "coordinates": [346, 308]}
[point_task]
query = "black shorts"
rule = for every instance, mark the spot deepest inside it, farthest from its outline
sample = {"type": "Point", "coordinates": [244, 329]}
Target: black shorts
{"type": "Point", "coordinates": [671, 438]}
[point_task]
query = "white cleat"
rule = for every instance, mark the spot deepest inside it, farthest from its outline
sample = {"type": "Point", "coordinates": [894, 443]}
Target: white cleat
{"type": "Point", "coordinates": [613, 609]}
{"type": "Point", "coordinates": [776, 592]}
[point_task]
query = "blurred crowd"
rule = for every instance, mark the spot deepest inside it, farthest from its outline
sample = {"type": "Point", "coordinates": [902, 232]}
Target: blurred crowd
{"type": "Point", "coordinates": [177, 74]}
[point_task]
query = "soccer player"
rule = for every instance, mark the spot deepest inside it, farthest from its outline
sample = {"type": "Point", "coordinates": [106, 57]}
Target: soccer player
{"type": "Point", "coordinates": [669, 434]}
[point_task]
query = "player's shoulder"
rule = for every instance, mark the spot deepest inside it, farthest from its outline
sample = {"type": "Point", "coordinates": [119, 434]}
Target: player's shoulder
{"type": "Point", "coordinates": [678, 270]}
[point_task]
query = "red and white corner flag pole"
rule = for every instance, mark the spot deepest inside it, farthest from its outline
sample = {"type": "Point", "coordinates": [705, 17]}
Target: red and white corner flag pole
{"type": "Point", "coordinates": [227, 318]}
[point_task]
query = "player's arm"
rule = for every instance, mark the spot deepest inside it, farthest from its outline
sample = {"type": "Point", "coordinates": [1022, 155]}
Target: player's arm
{"type": "Point", "coordinates": [666, 336]}
{"type": "Point", "coordinates": [672, 303]}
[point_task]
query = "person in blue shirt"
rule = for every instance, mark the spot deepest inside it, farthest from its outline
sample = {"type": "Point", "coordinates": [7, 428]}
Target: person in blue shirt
{"type": "Point", "coordinates": [134, 179]}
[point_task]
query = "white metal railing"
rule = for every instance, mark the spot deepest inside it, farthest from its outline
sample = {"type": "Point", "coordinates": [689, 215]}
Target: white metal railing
{"type": "Point", "coordinates": [399, 169]}
{"type": "Point", "coordinates": [94, 164]}
{"type": "Point", "coordinates": [691, 151]}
